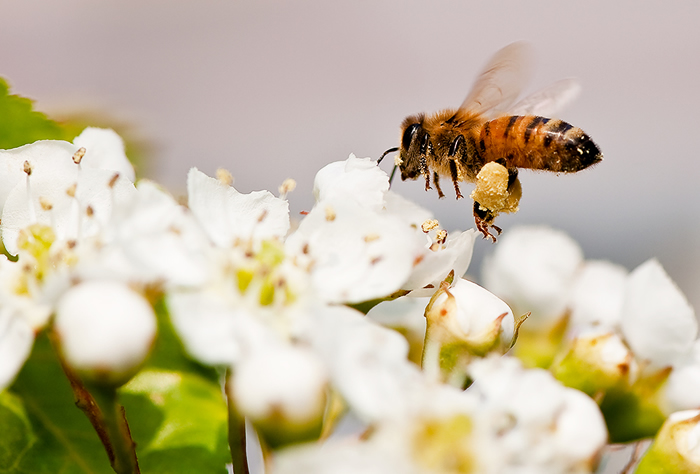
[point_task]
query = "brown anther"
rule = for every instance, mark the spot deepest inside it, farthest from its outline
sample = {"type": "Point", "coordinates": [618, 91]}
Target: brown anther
{"type": "Point", "coordinates": [330, 214]}
{"type": "Point", "coordinates": [89, 211]}
{"type": "Point", "coordinates": [113, 181]}
{"type": "Point", "coordinates": [78, 155]}
{"type": "Point", "coordinates": [71, 190]}
{"type": "Point", "coordinates": [27, 168]}
{"type": "Point", "coordinates": [71, 244]}
{"type": "Point", "coordinates": [45, 203]}
{"type": "Point", "coordinates": [371, 237]}
{"type": "Point", "coordinates": [263, 215]}
{"type": "Point", "coordinates": [375, 260]}
{"type": "Point", "coordinates": [224, 176]}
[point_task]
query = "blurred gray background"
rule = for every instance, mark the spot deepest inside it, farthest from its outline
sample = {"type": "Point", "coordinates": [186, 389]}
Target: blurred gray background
{"type": "Point", "coordinates": [273, 89]}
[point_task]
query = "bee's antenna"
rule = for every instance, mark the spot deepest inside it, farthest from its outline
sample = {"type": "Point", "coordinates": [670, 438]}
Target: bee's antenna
{"type": "Point", "coordinates": [393, 171]}
{"type": "Point", "coordinates": [390, 150]}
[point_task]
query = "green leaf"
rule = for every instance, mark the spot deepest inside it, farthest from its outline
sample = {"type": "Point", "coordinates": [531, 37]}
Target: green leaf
{"type": "Point", "coordinates": [180, 422]}
{"type": "Point", "coordinates": [42, 430]}
{"type": "Point", "coordinates": [19, 124]}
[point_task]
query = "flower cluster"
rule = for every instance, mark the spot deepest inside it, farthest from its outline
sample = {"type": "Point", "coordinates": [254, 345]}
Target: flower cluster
{"type": "Point", "coordinates": [337, 313]}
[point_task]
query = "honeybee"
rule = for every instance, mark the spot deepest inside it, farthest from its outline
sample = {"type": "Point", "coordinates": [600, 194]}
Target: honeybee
{"type": "Point", "coordinates": [458, 143]}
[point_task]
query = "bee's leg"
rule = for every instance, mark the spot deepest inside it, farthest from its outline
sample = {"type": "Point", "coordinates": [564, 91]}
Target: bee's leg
{"type": "Point", "coordinates": [436, 180]}
{"type": "Point", "coordinates": [424, 170]}
{"type": "Point", "coordinates": [483, 220]}
{"type": "Point", "coordinates": [455, 177]}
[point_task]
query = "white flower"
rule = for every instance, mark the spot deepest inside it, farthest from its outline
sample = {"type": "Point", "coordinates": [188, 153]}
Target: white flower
{"type": "Point", "coordinates": [75, 203]}
{"type": "Point", "coordinates": [533, 269]}
{"type": "Point", "coordinates": [538, 423]}
{"type": "Point", "coordinates": [657, 321]}
{"type": "Point", "coordinates": [105, 330]}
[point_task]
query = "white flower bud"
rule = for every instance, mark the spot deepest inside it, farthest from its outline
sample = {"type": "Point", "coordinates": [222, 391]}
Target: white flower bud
{"type": "Point", "coordinates": [676, 447]}
{"type": "Point", "coordinates": [282, 390]}
{"type": "Point", "coordinates": [468, 313]}
{"type": "Point", "coordinates": [596, 362]}
{"type": "Point", "coordinates": [105, 329]}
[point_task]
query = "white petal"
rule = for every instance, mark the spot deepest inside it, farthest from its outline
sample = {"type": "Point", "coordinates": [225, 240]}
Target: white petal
{"type": "Point", "coordinates": [104, 150]}
{"type": "Point", "coordinates": [533, 269]}
{"type": "Point", "coordinates": [657, 321]}
{"type": "Point", "coordinates": [46, 157]}
{"type": "Point", "coordinates": [580, 430]}
{"type": "Point", "coordinates": [455, 254]}
{"type": "Point", "coordinates": [597, 295]}
{"type": "Point", "coordinates": [682, 389]}
{"type": "Point", "coordinates": [152, 238]}
{"type": "Point", "coordinates": [357, 255]}
{"type": "Point", "coordinates": [16, 340]}
{"type": "Point", "coordinates": [105, 326]}
{"type": "Point", "coordinates": [357, 180]}
{"type": "Point", "coordinates": [215, 330]}
{"type": "Point", "coordinates": [227, 215]}
{"type": "Point", "coordinates": [407, 210]}
{"type": "Point", "coordinates": [367, 362]}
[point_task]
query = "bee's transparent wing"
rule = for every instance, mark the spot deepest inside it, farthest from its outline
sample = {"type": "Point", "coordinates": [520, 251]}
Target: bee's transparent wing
{"type": "Point", "coordinates": [548, 101]}
{"type": "Point", "coordinates": [501, 81]}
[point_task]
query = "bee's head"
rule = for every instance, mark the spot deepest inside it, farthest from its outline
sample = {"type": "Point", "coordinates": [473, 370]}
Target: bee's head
{"type": "Point", "coordinates": [414, 144]}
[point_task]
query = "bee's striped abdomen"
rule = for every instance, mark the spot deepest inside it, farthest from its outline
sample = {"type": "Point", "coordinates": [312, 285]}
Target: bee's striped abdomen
{"type": "Point", "coordinates": [528, 141]}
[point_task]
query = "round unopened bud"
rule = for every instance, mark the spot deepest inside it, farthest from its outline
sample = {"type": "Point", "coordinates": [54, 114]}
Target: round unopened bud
{"type": "Point", "coordinates": [469, 314]}
{"type": "Point", "coordinates": [596, 362]}
{"type": "Point", "coordinates": [105, 330]}
{"type": "Point", "coordinates": [282, 391]}
{"type": "Point", "coordinates": [677, 446]}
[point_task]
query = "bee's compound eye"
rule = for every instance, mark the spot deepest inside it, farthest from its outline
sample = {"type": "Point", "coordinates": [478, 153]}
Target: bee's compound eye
{"type": "Point", "coordinates": [408, 135]}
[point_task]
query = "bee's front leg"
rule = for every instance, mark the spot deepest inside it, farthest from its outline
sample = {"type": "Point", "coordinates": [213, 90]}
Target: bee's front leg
{"type": "Point", "coordinates": [425, 172]}
{"type": "Point", "coordinates": [436, 180]}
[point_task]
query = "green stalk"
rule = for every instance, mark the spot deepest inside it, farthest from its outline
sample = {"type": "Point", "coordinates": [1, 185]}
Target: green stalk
{"type": "Point", "coordinates": [236, 433]}
{"type": "Point", "coordinates": [114, 422]}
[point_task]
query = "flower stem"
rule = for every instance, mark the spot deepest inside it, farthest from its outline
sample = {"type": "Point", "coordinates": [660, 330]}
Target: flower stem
{"type": "Point", "coordinates": [114, 420]}
{"type": "Point", "coordinates": [99, 403]}
{"type": "Point", "coordinates": [236, 434]}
